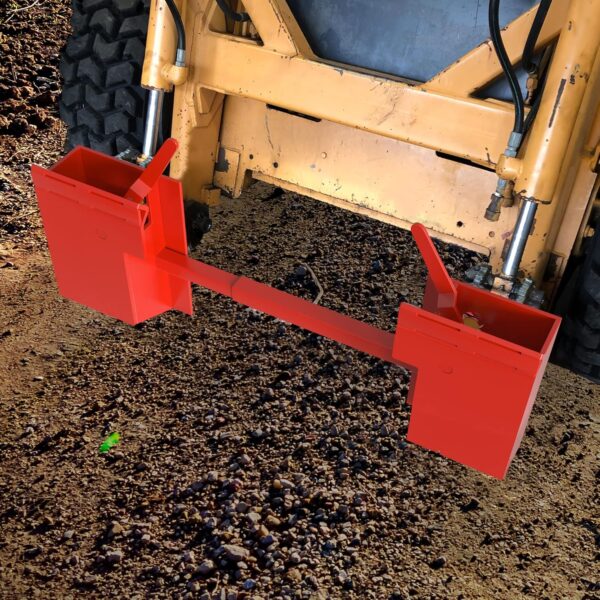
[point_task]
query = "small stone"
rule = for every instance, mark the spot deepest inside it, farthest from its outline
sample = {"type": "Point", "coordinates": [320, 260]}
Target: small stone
{"type": "Point", "coordinates": [268, 394]}
{"type": "Point", "coordinates": [294, 575]}
{"type": "Point", "coordinates": [196, 486]}
{"type": "Point", "coordinates": [114, 557]}
{"type": "Point", "coordinates": [438, 563]}
{"type": "Point", "coordinates": [244, 460]}
{"type": "Point", "coordinates": [115, 529]}
{"type": "Point", "coordinates": [89, 580]}
{"type": "Point", "coordinates": [193, 586]}
{"type": "Point", "coordinates": [268, 539]}
{"type": "Point", "coordinates": [473, 504]}
{"type": "Point", "coordinates": [33, 551]}
{"type": "Point", "coordinates": [277, 484]}
{"type": "Point", "coordinates": [212, 476]}
{"type": "Point", "coordinates": [206, 567]}
{"type": "Point", "coordinates": [249, 584]}
{"type": "Point", "coordinates": [68, 534]}
{"type": "Point", "coordinates": [272, 521]}
{"type": "Point", "coordinates": [242, 507]}
{"type": "Point", "coordinates": [301, 271]}
{"type": "Point", "coordinates": [253, 517]}
{"type": "Point", "coordinates": [235, 553]}
{"type": "Point", "coordinates": [188, 556]}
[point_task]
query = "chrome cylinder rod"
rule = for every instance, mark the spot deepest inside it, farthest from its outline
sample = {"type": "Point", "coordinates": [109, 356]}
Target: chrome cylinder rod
{"type": "Point", "coordinates": [519, 239]}
{"type": "Point", "coordinates": [152, 125]}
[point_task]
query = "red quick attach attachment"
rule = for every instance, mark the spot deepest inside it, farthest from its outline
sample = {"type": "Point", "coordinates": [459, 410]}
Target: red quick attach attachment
{"type": "Point", "coordinates": [116, 235]}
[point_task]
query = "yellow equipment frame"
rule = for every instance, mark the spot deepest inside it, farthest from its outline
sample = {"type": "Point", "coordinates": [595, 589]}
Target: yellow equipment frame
{"type": "Point", "coordinates": [256, 103]}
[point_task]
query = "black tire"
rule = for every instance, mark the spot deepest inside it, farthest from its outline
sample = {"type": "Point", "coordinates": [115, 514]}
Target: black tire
{"type": "Point", "coordinates": [102, 103]}
{"type": "Point", "coordinates": [578, 344]}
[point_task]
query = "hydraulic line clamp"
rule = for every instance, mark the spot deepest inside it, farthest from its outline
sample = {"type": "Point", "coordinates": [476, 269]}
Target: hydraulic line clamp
{"type": "Point", "coordinates": [116, 235]}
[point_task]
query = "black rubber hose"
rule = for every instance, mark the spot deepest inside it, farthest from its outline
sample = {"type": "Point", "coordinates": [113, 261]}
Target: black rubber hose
{"type": "Point", "coordinates": [232, 14]}
{"type": "Point", "coordinates": [546, 56]}
{"type": "Point", "coordinates": [178, 26]}
{"type": "Point", "coordinates": [534, 32]}
{"type": "Point", "coordinates": [494, 23]}
{"type": "Point", "coordinates": [532, 111]}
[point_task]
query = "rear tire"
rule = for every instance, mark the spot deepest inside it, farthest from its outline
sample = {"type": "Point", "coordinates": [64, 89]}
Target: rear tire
{"type": "Point", "coordinates": [578, 344]}
{"type": "Point", "coordinates": [102, 102]}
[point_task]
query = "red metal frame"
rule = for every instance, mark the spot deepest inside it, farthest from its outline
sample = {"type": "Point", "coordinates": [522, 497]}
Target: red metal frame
{"type": "Point", "coordinates": [116, 235]}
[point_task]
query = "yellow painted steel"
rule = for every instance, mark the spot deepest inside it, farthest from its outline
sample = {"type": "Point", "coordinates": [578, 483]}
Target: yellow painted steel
{"type": "Point", "coordinates": [389, 143]}
{"type": "Point", "coordinates": [481, 65]}
{"type": "Point", "coordinates": [567, 81]}
{"type": "Point", "coordinates": [159, 72]}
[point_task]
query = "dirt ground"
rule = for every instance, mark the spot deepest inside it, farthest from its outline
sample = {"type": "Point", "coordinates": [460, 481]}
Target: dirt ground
{"type": "Point", "coordinates": [257, 460]}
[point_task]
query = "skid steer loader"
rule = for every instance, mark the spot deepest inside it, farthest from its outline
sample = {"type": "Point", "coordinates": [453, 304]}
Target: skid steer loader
{"type": "Point", "coordinates": [476, 121]}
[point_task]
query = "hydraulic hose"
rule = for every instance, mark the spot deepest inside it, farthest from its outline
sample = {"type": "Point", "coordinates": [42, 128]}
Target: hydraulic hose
{"type": "Point", "coordinates": [232, 14]}
{"type": "Point", "coordinates": [542, 69]}
{"type": "Point", "coordinates": [180, 57]}
{"type": "Point", "coordinates": [494, 24]}
{"type": "Point", "coordinates": [534, 32]}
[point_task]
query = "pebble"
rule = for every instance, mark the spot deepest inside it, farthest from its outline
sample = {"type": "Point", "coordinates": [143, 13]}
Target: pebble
{"type": "Point", "coordinates": [438, 563]}
{"type": "Point", "coordinates": [272, 521]}
{"type": "Point", "coordinates": [114, 557]}
{"type": "Point", "coordinates": [301, 271]}
{"type": "Point", "coordinates": [249, 584]}
{"type": "Point", "coordinates": [206, 567]}
{"type": "Point", "coordinates": [235, 553]}
{"type": "Point", "coordinates": [253, 517]}
{"type": "Point", "coordinates": [115, 529]}
{"type": "Point", "coordinates": [473, 504]}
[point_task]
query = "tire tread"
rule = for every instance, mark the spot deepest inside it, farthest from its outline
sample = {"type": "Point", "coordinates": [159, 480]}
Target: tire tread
{"type": "Point", "coordinates": [102, 103]}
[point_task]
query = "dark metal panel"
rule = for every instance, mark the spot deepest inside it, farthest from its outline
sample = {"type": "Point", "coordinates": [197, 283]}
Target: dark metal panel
{"type": "Point", "coordinates": [415, 39]}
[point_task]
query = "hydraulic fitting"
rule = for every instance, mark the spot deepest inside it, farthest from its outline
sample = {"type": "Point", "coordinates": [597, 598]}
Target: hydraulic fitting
{"type": "Point", "coordinates": [497, 200]}
{"type": "Point", "coordinates": [492, 212]}
{"type": "Point", "coordinates": [532, 85]}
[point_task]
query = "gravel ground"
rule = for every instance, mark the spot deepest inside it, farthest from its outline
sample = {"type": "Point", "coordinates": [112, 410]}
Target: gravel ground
{"type": "Point", "coordinates": [257, 461]}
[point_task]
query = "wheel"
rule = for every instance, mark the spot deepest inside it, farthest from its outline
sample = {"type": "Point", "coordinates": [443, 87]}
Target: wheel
{"type": "Point", "coordinates": [102, 102]}
{"type": "Point", "coordinates": [578, 344]}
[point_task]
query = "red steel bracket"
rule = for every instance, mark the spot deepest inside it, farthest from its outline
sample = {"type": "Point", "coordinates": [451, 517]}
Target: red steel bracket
{"type": "Point", "coordinates": [116, 235]}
